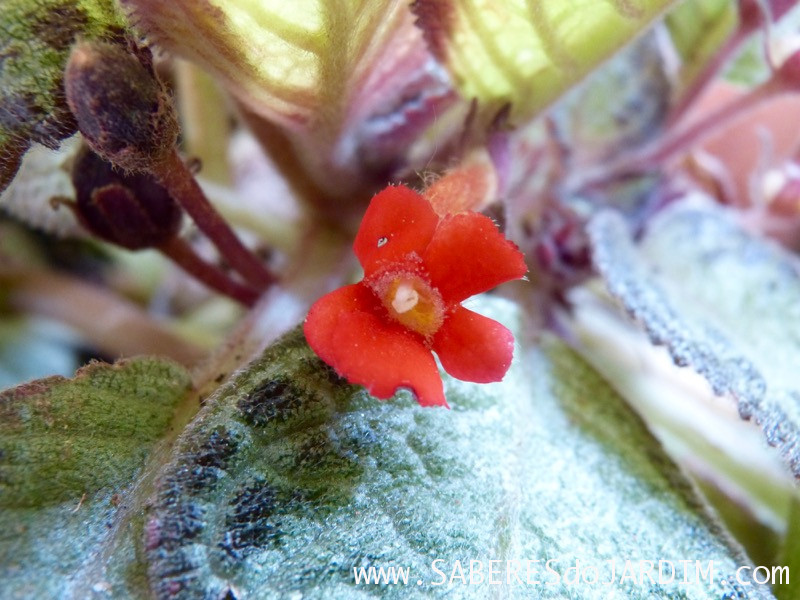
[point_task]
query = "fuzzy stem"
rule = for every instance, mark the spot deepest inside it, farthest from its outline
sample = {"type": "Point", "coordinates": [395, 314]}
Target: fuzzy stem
{"type": "Point", "coordinates": [184, 256]}
{"type": "Point", "coordinates": [173, 174]}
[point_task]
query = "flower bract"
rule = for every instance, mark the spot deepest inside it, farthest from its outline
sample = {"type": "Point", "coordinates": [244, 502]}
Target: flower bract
{"type": "Point", "coordinates": [418, 268]}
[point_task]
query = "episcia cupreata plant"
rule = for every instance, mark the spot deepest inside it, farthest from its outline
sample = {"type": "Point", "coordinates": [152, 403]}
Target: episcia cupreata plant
{"type": "Point", "coordinates": [250, 250]}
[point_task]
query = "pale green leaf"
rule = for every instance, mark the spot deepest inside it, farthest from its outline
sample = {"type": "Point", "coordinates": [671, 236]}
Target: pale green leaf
{"type": "Point", "coordinates": [290, 62]}
{"type": "Point", "coordinates": [70, 451]}
{"type": "Point", "coordinates": [790, 557]}
{"type": "Point", "coordinates": [722, 302]}
{"type": "Point", "coordinates": [289, 479]}
{"type": "Point", "coordinates": [743, 478]}
{"type": "Point", "coordinates": [526, 53]}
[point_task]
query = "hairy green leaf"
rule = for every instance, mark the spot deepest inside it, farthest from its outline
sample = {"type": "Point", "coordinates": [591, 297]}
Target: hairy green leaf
{"type": "Point", "coordinates": [742, 477]}
{"type": "Point", "coordinates": [526, 53]}
{"type": "Point", "coordinates": [289, 479]}
{"type": "Point", "coordinates": [35, 40]}
{"type": "Point", "coordinates": [70, 450]}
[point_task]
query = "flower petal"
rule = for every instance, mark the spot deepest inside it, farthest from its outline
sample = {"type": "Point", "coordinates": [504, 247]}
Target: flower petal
{"type": "Point", "coordinates": [473, 347]}
{"type": "Point", "coordinates": [470, 186]}
{"type": "Point", "coordinates": [348, 330]}
{"type": "Point", "coordinates": [398, 221]}
{"type": "Point", "coordinates": [468, 255]}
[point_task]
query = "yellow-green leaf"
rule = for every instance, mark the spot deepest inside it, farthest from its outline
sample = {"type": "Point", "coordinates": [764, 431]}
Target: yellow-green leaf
{"type": "Point", "coordinates": [350, 83]}
{"type": "Point", "coordinates": [698, 28]}
{"type": "Point", "coordinates": [527, 52]}
{"type": "Point", "coordinates": [289, 62]}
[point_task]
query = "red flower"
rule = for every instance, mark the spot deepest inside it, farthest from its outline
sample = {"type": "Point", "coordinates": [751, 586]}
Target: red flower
{"type": "Point", "coordinates": [418, 268]}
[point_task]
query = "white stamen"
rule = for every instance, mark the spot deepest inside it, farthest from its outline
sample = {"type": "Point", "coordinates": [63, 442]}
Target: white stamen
{"type": "Point", "coordinates": [405, 298]}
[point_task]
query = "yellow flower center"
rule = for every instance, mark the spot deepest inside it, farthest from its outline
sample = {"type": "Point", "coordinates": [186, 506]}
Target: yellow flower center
{"type": "Point", "coordinates": [411, 301]}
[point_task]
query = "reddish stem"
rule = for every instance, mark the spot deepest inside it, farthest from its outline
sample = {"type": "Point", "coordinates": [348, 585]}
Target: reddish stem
{"type": "Point", "coordinates": [753, 15]}
{"type": "Point", "coordinates": [710, 71]}
{"type": "Point", "coordinates": [683, 139]}
{"type": "Point", "coordinates": [212, 276]}
{"type": "Point", "coordinates": [693, 133]}
{"type": "Point", "coordinates": [173, 174]}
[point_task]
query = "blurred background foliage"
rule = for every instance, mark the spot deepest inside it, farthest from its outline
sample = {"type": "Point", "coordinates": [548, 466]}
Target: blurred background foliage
{"type": "Point", "coordinates": [292, 115]}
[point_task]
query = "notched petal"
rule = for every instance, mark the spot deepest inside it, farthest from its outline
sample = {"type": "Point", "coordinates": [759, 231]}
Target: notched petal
{"type": "Point", "coordinates": [320, 324]}
{"type": "Point", "coordinates": [398, 222]}
{"type": "Point", "coordinates": [348, 330]}
{"type": "Point", "coordinates": [473, 347]}
{"type": "Point", "coordinates": [468, 255]}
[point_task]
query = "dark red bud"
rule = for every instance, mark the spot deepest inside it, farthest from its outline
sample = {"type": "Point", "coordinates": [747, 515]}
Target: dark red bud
{"type": "Point", "coordinates": [122, 109]}
{"type": "Point", "coordinates": [131, 210]}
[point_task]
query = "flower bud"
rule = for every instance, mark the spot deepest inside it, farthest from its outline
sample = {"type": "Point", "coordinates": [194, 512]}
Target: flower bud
{"type": "Point", "coordinates": [121, 107]}
{"type": "Point", "coordinates": [131, 210]}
